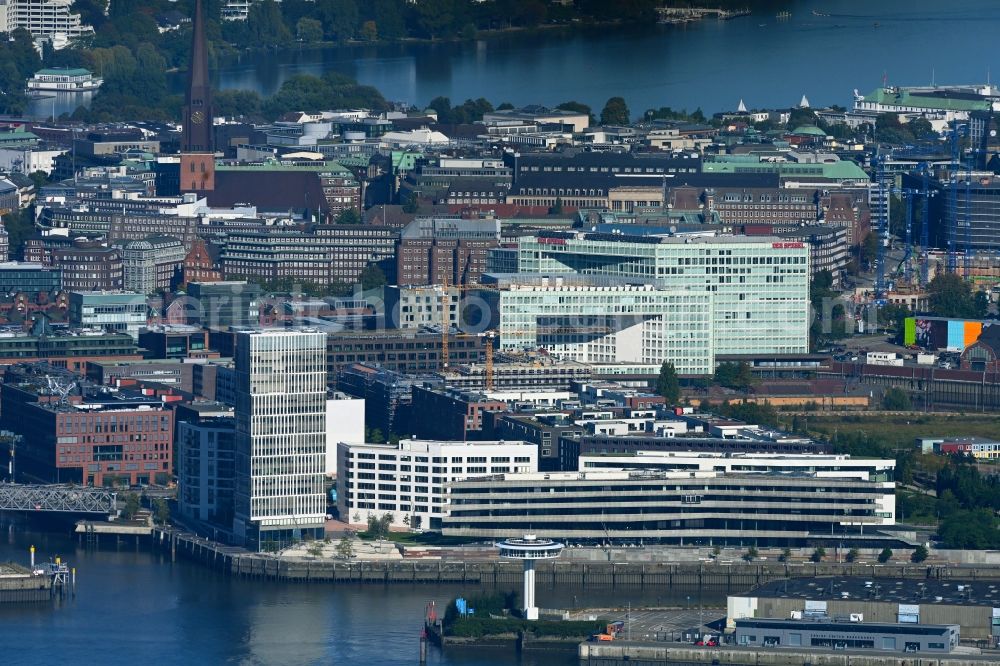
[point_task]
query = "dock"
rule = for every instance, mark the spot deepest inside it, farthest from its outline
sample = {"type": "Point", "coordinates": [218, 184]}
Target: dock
{"type": "Point", "coordinates": [89, 532]}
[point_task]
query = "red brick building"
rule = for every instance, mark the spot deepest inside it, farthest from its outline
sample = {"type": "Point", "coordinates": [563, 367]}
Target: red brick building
{"type": "Point", "coordinates": [90, 436]}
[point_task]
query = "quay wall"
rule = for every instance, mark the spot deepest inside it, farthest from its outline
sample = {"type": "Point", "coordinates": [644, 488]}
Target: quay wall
{"type": "Point", "coordinates": [25, 589]}
{"type": "Point", "coordinates": [641, 654]}
{"type": "Point", "coordinates": [736, 576]}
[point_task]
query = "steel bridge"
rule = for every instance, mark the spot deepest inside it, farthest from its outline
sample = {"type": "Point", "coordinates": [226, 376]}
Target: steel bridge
{"type": "Point", "coordinates": [69, 499]}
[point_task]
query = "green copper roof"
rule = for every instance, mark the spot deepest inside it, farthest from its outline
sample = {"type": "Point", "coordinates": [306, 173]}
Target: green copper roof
{"type": "Point", "coordinates": [840, 171]}
{"type": "Point", "coordinates": [902, 97]}
{"type": "Point", "coordinates": [76, 71]}
{"type": "Point", "coordinates": [808, 130]}
{"type": "Point", "coordinates": [404, 161]}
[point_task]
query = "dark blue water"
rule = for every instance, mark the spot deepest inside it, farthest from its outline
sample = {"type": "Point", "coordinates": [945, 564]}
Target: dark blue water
{"type": "Point", "coordinates": [711, 64]}
{"type": "Point", "coordinates": [134, 606]}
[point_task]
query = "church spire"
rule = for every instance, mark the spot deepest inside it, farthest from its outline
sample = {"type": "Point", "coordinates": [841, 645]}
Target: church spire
{"type": "Point", "coordinates": [197, 136]}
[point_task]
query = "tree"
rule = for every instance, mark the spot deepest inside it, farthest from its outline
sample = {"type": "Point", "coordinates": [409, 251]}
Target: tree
{"type": "Point", "coordinates": [348, 216]}
{"type": "Point", "coordinates": [667, 384]}
{"type": "Point", "coordinates": [345, 547]}
{"type": "Point", "coordinates": [378, 526]}
{"type": "Point", "coordinates": [896, 400]}
{"type": "Point", "coordinates": [309, 30]}
{"type": "Point", "coordinates": [786, 555]}
{"type": "Point", "coordinates": [751, 554]}
{"type": "Point", "coordinates": [818, 554]}
{"type": "Point", "coordinates": [951, 296]}
{"type": "Point", "coordinates": [852, 554]}
{"type": "Point", "coordinates": [615, 112]}
{"type": "Point", "coordinates": [161, 511]}
{"type": "Point", "coordinates": [737, 376]}
{"type": "Point", "coordinates": [800, 117]}
{"type": "Point", "coordinates": [265, 25]}
{"type": "Point", "coordinates": [315, 549]}
{"type": "Point", "coordinates": [132, 506]}
{"type": "Point", "coordinates": [981, 304]}
{"type": "Point", "coordinates": [920, 553]}
{"type": "Point", "coordinates": [412, 204]}
{"type": "Point", "coordinates": [885, 555]}
{"type": "Point", "coordinates": [372, 277]}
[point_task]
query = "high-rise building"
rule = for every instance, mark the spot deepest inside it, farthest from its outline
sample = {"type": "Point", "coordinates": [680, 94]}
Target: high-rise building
{"type": "Point", "coordinates": [280, 436]}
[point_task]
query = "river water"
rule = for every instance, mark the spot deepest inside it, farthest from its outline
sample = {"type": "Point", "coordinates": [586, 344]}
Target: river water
{"type": "Point", "coordinates": [135, 606]}
{"type": "Point", "coordinates": [766, 61]}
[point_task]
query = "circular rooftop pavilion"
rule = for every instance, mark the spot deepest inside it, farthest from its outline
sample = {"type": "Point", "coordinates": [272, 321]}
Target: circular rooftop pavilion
{"type": "Point", "coordinates": [529, 547]}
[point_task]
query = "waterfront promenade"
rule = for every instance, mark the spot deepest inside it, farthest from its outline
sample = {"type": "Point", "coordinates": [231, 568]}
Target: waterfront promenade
{"type": "Point", "coordinates": [576, 572]}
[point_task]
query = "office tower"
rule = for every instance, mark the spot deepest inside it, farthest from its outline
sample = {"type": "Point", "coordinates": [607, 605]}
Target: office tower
{"type": "Point", "coordinates": [280, 436]}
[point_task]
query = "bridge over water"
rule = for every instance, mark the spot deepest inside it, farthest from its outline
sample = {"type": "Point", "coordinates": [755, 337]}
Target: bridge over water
{"type": "Point", "coordinates": [64, 498]}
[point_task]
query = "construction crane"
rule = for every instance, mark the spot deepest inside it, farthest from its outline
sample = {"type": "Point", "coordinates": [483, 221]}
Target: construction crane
{"type": "Point", "coordinates": [883, 227]}
{"type": "Point", "coordinates": [925, 220]}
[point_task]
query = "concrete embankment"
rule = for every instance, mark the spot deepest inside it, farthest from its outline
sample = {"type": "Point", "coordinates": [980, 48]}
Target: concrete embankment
{"type": "Point", "coordinates": [18, 585]}
{"type": "Point", "coordinates": [241, 563]}
{"type": "Point", "coordinates": [640, 654]}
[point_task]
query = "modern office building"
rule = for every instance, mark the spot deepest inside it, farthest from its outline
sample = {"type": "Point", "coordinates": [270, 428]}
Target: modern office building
{"type": "Point", "coordinates": [222, 304]}
{"type": "Point", "coordinates": [116, 312]}
{"type": "Point", "coordinates": [280, 436]}
{"type": "Point", "coordinates": [28, 278]}
{"type": "Point", "coordinates": [175, 341]}
{"type": "Point", "coordinates": [759, 286]}
{"type": "Point", "coordinates": [687, 507]}
{"type": "Point", "coordinates": [72, 349]}
{"type": "Point", "coordinates": [415, 308]}
{"type": "Point", "coordinates": [605, 320]}
{"type": "Point", "coordinates": [839, 466]}
{"type": "Point", "coordinates": [410, 480]}
{"type": "Point", "coordinates": [205, 445]}
{"type": "Point", "coordinates": [413, 352]}
{"type": "Point", "coordinates": [152, 264]}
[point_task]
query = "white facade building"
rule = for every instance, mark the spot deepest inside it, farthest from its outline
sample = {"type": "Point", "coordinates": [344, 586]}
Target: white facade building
{"type": "Point", "coordinates": [410, 480]}
{"type": "Point", "coordinates": [280, 436]}
{"type": "Point", "coordinates": [46, 18]}
{"type": "Point", "coordinates": [759, 285]}
{"type": "Point", "coordinates": [119, 312]}
{"type": "Point", "coordinates": [345, 422]}
{"type": "Point", "coordinates": [590, 319]}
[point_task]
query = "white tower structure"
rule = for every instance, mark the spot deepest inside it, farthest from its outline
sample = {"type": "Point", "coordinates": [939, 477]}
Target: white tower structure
{"type": "Point", "coordinates": [529, 549]}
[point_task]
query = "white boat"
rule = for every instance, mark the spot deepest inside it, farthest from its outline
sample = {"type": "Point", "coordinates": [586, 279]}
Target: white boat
{"type": "Point", "coordinates": [64, 80]}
